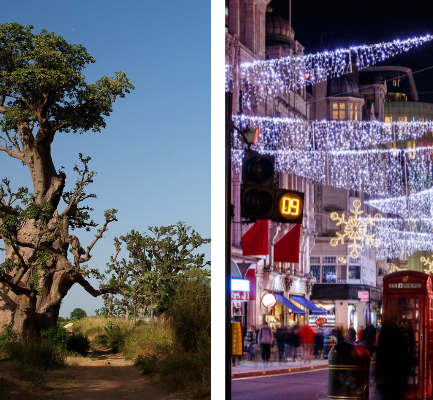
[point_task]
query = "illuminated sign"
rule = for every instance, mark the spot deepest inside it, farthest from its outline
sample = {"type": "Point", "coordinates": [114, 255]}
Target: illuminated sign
{"type": "Point", "coordinates": [269, 300]}
{"type": "Point", "coordinates": [289, 206]}
{"type": "Point", "coordinates": [404, 285]}
{"type": "Point", "coordinates": [321, 321]}
{"type": "Point", "coordinates": [242, 285]}
{"type": "Point", "coordinates": [363, 296]}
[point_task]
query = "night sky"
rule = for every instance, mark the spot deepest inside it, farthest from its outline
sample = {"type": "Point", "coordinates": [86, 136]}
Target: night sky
{"type": "Point", "coordinates": [327, 25]}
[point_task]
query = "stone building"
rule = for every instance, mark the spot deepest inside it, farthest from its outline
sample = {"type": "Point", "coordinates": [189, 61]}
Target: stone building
{"type": "Point", "coordinates": [254, 32]}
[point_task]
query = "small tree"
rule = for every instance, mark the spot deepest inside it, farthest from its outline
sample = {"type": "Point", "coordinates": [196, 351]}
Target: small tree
{"type": "Point", "coordinates": [43, 93]}
{"type": "Point", "coordinates": [156, 264]}
{"type": "Point", "coordinates": [78, 313]}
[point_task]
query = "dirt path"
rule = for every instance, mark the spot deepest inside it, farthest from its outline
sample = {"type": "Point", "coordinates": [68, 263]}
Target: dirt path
{"type": "Point", "coordinates": [102, 377]}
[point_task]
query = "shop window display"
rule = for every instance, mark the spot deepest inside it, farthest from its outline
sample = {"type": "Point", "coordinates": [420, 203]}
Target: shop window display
{"type": "Point", "coordinates": [354, 272]}
{"type": "Point", "coordinates": [315, 270]}
{"type": "Point", "coordinates": [329, 274]}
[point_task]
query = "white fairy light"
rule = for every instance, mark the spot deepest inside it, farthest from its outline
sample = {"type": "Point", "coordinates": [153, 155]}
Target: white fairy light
{"type": "Point", "coordinates": [299, 134]}
{"type": "Point", "coordinates": [400, 238]}
{"type": "Point", "coordinates": [377, 172]}
{"type": "Point", "coordinates": [418, 205]}
{"type": "Point", "coordinates": [282, 75]}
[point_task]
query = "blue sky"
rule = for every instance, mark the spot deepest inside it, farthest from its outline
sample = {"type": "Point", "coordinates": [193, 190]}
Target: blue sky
{"type": "Point", "coordinates": [153, 158]}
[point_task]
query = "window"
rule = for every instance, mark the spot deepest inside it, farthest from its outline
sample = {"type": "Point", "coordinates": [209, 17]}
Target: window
{"type": "Point", "coordinates": [388, 119]}
{"type": "Point", "coordinates": [329, 260]}
{"type": "Point", "coordinates": [342, 111]}
{"type": "Point", "coordinates": [329, 274]}
{"type": "Point", "coordinates": [354, 260]}
{"type": "Point", "coordinates": [354, 272]}
{"type": "Point", "coordinates": [315, 271]}
{"type": "Point", "coordinates": [314, 260]}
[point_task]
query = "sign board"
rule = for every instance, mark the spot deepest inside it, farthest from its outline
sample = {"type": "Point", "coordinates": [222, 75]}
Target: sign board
{"type": "Point", "coordinates": [364, 295]}
{"type": "Point", "coordinates": [321, 321]}
{"type": "Point", "coordinates": [329, 321]}
{"type": "Point", "coordinates": [404, 285]}
{"type": "Point", "coordinates": [269, 300]}
{"type": "Point", "coordinates": [240, 296]}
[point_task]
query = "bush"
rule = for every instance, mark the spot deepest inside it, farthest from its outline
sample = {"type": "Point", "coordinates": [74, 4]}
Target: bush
{"type": "Point", "coordinates": [113, 337]}
{"type": "Point", "coordinates": [8, 334]}
{"type": "Point", "coordinates": [56, 335]}
{"type": "Point", "coordinates": [78, 343]}
{"type": "Point", "coordinates": [41, 354]}
{"type": "Point", "coordinates": [147, 364]}
{"type": "Point", "coordinates": [190, 315]}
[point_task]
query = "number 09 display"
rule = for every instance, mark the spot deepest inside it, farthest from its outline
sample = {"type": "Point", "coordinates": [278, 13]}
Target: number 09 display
{"type": "Point", "coordinates": [290, 206]}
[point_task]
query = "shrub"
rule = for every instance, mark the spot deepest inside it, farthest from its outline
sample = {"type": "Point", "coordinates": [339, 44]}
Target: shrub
{"type": "Point", "coordinates": [41, 354]}
{"type": "Point", "coordinates": [8, 334]}
{"type": "Point", "coordinates": [56, 335]}
{"type": "Point", "coordinates": [78, 343]}
{"type": "Point", "coordinates": [190, 314]}
{"type": "Point", "coordinates": [113, 337]}
{"type": "Point", "coordinates": [146, 364]}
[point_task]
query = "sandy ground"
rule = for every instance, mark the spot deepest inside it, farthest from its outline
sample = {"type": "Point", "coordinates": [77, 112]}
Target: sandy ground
{"type": "Point", "coordinates": [102, 377]}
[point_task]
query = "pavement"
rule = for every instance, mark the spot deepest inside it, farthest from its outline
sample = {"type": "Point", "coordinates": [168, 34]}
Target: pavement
{"type": "Point", "coordinates": [257, 368]}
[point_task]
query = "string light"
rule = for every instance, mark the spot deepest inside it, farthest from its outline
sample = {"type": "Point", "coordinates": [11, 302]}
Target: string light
{"type": "Point", "coordinates": [355, 229]}
{"type": "Point", "coordinates": [400, 238]}
{"type": "Point", "coordinates": [299, 134]}
{"type": "Point", "coordinates": [377, 172]}
{"type": "Point", "coordinates": [418, 205]}
{"type": "Point", "coordinates": [286, 74]}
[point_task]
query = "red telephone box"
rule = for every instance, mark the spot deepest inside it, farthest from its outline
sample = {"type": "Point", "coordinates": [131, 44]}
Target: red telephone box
{"type": "Point", "coordinates": [408, 302]}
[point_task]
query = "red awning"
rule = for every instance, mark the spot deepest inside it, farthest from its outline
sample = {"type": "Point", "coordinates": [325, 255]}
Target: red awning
{"type": "Point", "coordinates": [287, 248]}
{"type": "Point", "coordinates": [255, 242]}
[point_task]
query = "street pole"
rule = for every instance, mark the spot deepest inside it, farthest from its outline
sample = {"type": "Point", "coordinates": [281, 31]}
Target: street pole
{"type": "Point", "coordinates": [228, 261]}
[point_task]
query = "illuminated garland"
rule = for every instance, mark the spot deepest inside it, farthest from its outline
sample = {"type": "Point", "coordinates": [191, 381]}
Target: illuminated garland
{"type": "Point", "coordinates": [427, 263]}
{"type": "Point", "coordinates": [400, 238]}
{"type": "Point", "coordinates": [377, 172]}
{"type": "Point", "coordinates": [282, 75]}
{"type": "Point", "coordinates": [418, 205]}
{"type": "Point", "coordinates": [299, 134]}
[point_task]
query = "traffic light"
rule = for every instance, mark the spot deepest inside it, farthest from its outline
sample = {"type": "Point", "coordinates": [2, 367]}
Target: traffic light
{"type": "Point", "coordinates": [259, 198]}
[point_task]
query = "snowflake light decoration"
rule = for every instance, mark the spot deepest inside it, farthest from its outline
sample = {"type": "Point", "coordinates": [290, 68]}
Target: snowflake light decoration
{"type": "Point", "coordinates": [428, 263]}
{"type": "Point", "coordinates": [355, 229]}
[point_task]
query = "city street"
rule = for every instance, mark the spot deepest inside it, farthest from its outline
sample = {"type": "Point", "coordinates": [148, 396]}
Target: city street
{"type": "Point", "coordinates": [309, 385]}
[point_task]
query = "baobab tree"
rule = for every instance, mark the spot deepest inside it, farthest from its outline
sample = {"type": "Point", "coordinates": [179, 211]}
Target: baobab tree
{"type": "Point", "coordinates": [43, 94]}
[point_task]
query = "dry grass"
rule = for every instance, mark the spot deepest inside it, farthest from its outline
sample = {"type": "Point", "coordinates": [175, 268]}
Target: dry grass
{"type": "Point", "coordinates": [94, 326]}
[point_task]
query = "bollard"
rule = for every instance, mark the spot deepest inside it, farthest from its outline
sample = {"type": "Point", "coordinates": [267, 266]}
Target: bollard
{"type": "Point", "coordinates": [237, 340]}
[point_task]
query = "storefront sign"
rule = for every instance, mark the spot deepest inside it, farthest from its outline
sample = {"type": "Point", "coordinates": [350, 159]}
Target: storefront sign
{"type": "Point", "coordinates": [241, 285]}
{"type": "Point", "coordinates": [404, 285]}
{"type": "Point", "coordinates": [364, 296]}
{"type": "Point", "coordinates": [329, 321]}
{"type": "Point", "coordinates": [269, 300]}
{"type": "Point", "coordinates": [321, 321]}
{"type": "Point", "coordinates": [240, 296]}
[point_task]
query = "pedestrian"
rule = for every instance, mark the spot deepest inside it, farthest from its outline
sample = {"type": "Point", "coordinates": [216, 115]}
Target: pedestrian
{"type": "Point", "coordinates": [280, 339]}
{"type": "Point", "coordinates": [287, 345]}
{"type": "Point", "coordinates": [336, 332]}
{"type": "Point", "coordinates": [361, 335]}
{"type": "Point", "coordinates": [307, 341]}
{"type": "Point", "coordinates": [318, 344]}
{"type": "Point", "coordinates": [294, 342]}
{"type": "Point", "coordinates": [369, 337]}
{"type": "Point", "coordinates": [251, 342]}
{"type": "Point", "coordinates": [265, 339]}
{"type": "Point", "coordinates": [350, 334]}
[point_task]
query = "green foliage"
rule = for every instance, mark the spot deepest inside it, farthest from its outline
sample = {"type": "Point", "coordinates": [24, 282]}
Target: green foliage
{"type": "Point", "coordinates": [8, 334]}
{"type": "Point", "coordinates": [190, 314]}
{"type": "Point", "coordinates": [113, 337]}
{"type": "Point", "coordinates": [40, 354]}
{"type": "Point", "coordinates": [146, 364]}
{"type": "Point", "coordinates": [56, 335]}
{"type": "Point", "coordinates": [78, 343]}
{"type": "Point", "coordinates": [38, 212]}
{"type": "Point", "coordinates": [77, 313]}
{"type": "Point", "coordinates": [46, 69]}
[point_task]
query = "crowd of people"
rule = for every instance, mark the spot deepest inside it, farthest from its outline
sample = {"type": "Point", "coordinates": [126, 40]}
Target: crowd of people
{"type": "Point", "coordinates": [302, 343]}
